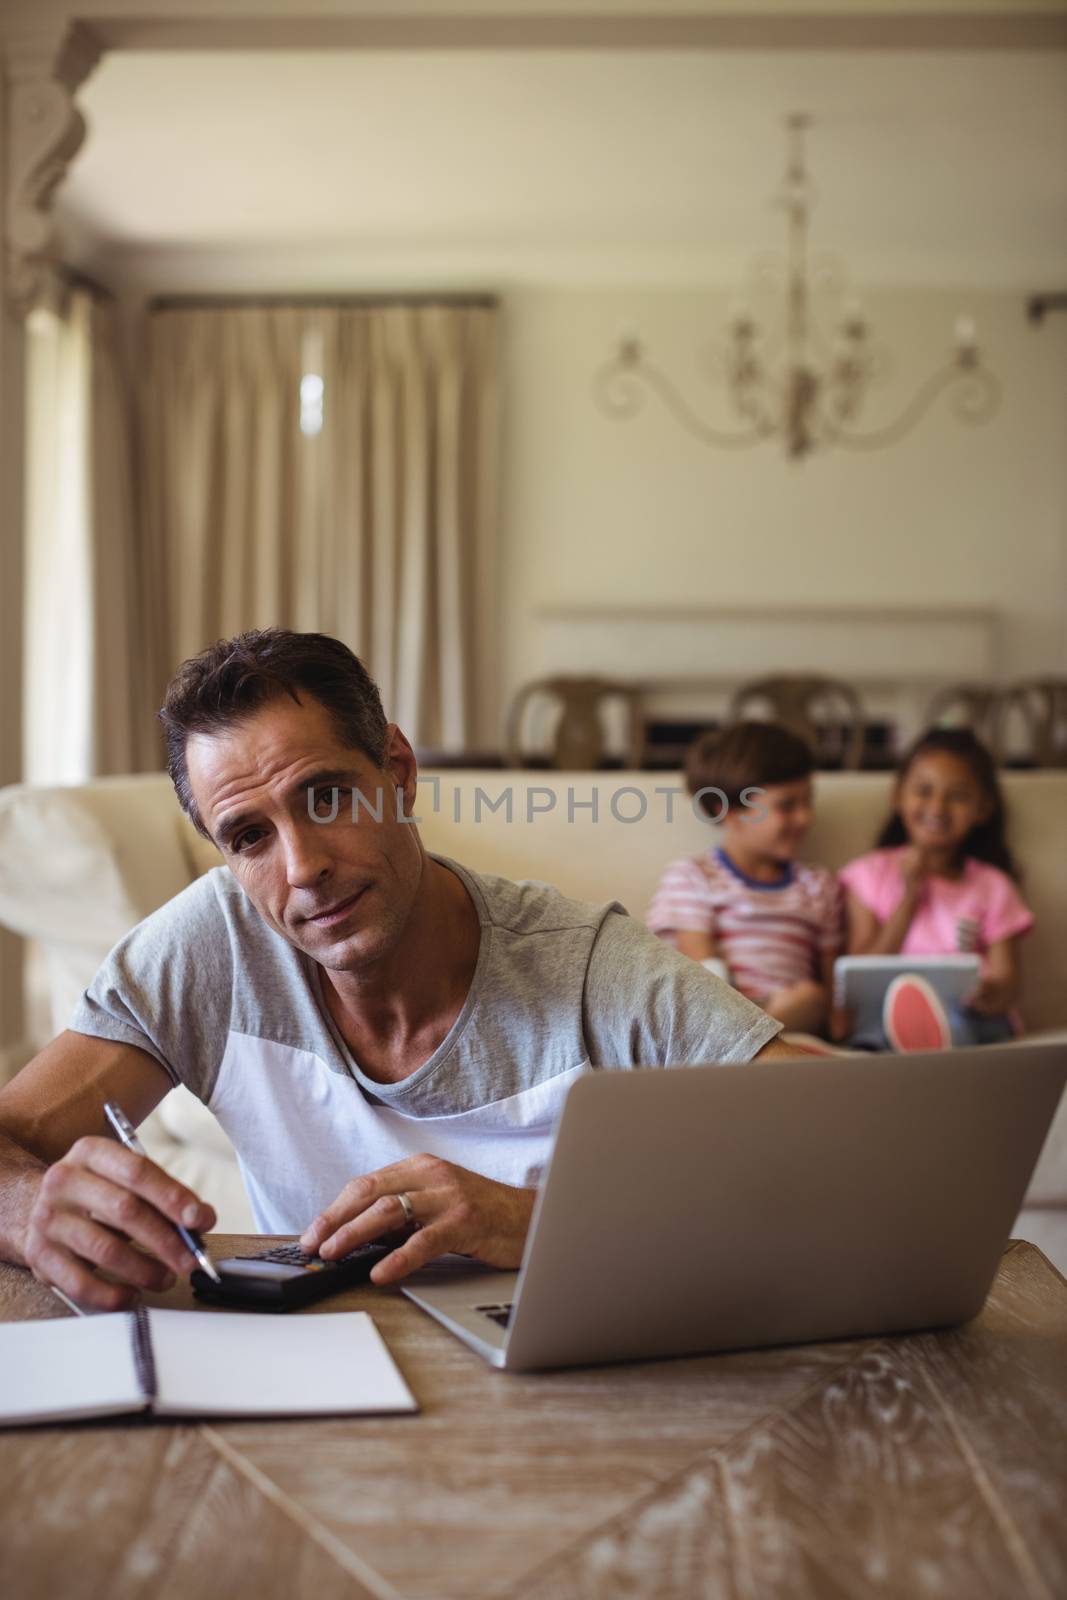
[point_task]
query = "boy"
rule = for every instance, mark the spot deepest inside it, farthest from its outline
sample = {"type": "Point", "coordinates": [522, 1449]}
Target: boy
{"type": "Point", "coordinates": [748, 904]}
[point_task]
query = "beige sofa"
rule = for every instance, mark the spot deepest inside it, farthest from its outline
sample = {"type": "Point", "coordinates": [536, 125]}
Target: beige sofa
{"type": "Point", "coordinates": [79, 866]}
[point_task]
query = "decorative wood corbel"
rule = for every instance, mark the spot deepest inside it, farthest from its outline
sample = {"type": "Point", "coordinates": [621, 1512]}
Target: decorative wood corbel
{"type": "Point", "coordinates": [45, 130]}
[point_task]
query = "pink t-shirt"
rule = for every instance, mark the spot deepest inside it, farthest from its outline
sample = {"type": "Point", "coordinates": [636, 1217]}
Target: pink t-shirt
{"type": "Point", "coordinates": [971, 912]}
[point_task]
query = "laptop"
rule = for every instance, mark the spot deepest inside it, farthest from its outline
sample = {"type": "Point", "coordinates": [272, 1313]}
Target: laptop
{"type": "Point", "coordinates": [860, 983]}
{"type": "Point", "coordinates": [714, 1208]}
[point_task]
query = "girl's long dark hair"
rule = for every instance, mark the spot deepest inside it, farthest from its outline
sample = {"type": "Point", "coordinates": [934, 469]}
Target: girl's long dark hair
{"type": "Point", "coordinates": [988, 841]}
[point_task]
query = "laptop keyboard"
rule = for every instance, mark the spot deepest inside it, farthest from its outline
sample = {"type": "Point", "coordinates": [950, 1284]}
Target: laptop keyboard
{"type": "Point", "coordinates": [501, 1313]}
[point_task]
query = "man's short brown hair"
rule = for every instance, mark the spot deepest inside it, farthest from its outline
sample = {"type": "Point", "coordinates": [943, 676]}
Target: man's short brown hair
{"type": "Point", "coordinates": [233, 678]}
{"type": "Point", "coordinates": [748, 755]}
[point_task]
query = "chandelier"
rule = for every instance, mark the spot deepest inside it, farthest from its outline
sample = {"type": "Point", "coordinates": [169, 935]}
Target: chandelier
{"type": "Point", "coordinates": [793, 380]}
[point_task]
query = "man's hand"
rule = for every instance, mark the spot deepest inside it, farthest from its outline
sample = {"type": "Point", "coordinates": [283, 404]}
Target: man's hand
{"type": "Point", "coordinates": [455, 1210]}
{"type": "Point", "coordinates": [88, 1208]}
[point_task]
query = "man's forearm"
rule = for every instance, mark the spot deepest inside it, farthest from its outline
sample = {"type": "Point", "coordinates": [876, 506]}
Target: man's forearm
{"type": "Point", "coordinates": [20, 1179]}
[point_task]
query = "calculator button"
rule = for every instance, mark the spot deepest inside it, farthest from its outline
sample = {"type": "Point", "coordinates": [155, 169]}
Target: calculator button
{"type": "Point", "coordinates": [291, 1255]}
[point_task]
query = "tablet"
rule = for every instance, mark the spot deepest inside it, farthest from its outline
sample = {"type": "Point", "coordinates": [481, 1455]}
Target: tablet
{"type": "Point", "coordinates": [860, 982]}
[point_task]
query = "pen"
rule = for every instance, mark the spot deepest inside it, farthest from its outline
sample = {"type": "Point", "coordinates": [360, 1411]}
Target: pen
{"type": "Point", "coordinates": [124, 1128]}
{"type": "Point", "coordinates": [67, 1301]}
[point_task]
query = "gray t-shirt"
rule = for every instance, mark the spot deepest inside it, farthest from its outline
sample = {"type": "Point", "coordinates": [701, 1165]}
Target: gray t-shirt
{"type": "Point", "coordinates": [231, 1009]}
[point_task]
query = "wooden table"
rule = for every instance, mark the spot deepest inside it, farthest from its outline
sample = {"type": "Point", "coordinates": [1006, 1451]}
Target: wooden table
{"type": "Point", "coordinates": [930, 1465]}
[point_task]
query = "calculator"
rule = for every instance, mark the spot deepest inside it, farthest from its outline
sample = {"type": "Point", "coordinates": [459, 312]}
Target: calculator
{"type": "Point", "coordinates": [284, 1277]}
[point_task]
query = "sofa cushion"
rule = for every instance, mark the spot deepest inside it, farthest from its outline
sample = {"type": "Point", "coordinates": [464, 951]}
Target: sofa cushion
{"type": "Point", "coordinates": [82, 865]}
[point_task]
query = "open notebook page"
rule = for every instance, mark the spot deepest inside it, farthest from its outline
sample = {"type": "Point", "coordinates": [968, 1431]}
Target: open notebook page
{"type": "Point", "coordinates": [237, 1363]}
{"type": "Point", "coordinates": [68, 1367]}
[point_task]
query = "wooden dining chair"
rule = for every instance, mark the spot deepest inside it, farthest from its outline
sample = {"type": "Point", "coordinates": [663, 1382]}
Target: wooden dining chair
{"type": "Point", "coordinates": [565, 720]}
{"type": "Point", "coordinates": [1040, 706]}
{"type": "Point", "coordinates": [824, 711]}
{"type": "Point", "coordinates": [966, 705]}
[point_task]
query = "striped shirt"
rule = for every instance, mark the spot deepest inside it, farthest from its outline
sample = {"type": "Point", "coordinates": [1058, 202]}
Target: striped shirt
{"type": "Point", "coordinates": [769, 934]}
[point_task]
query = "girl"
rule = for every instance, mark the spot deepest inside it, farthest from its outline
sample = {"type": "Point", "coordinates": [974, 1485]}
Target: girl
{"type": "Point", "coordinates": [941, 882]}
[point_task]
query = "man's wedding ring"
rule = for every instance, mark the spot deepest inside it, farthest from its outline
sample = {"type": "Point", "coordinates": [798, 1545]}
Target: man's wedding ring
{"type": "Point", "coordinates": [408, 1209]}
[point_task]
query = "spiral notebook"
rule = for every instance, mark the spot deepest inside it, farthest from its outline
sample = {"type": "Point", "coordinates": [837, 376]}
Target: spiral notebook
{"type": "Point", "coordinates": [196, 1364]}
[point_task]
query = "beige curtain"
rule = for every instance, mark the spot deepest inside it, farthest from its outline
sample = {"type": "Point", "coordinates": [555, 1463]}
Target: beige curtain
{"type": "Point", "coordinates": [84, 680]}
{"type": "Point", "coordinates": [377, 525]}
{"type": "Point", "coordinates": [125, 736]}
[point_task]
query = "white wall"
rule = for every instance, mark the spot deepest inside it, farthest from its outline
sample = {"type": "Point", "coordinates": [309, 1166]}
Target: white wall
{"type": "Point", "coordinates": [605, 514]}
{"type": "Point", "coordinates": [632, 514]}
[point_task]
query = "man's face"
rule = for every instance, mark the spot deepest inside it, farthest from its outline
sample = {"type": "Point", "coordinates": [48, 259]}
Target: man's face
{"type": "Point", "coordinates": [265, 788]}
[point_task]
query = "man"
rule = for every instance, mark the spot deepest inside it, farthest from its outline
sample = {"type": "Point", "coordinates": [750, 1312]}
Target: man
{"type": "Point", "coordinates": [387, 1037]}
